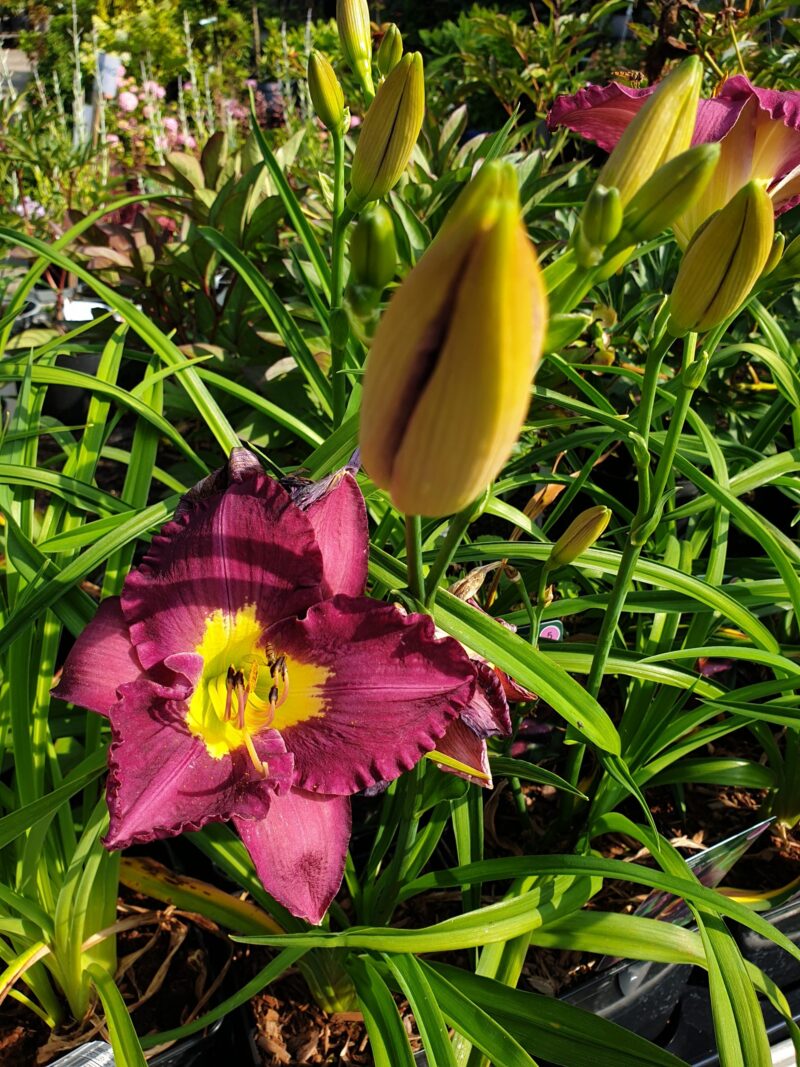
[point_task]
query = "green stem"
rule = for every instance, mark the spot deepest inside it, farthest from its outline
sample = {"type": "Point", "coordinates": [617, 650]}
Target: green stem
{"type": "Point", "coordinates": [416, 577]}
{"type": "Point", "coordinates": [339, 328]}
{"type": "Point", "coordinates": [630, 553]}
{"type": "Point", "coordinates": [452, 539]}
{"type": "Point", "coordinates": [538, 608]}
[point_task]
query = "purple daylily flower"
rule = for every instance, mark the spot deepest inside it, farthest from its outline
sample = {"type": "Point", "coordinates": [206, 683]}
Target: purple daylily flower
{"type": "Point", "coordinates": [758, 130]}
{"type": "Point", "coordinates": [247, 677]}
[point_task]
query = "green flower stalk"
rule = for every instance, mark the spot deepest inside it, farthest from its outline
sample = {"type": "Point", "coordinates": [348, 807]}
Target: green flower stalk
{"type": "Point", "coordinates": [390, 131]}
{"type": "Point", "coordinates": [723, 261]}
{"type": "Point", "coordinates": [661, 130]}
{"type": "Point", "coordinates": [390, 51]}
{"type": "Point", "coordinates": [355, 37]}
{"type": "Point", "coordinates": [326, 93]}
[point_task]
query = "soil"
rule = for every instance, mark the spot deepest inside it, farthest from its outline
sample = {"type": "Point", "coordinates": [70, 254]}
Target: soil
{"type": "Point", "coordinates": [170, 965]}
{"type": "Point", "coordinates": [291, 1030]}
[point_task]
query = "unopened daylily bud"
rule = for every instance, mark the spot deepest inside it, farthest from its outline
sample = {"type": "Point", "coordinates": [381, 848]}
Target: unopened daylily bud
{"type": "Point", "coordinates": [789, 266]}
{"type": "Point", "coordinates": [390, 131]}
{"type": "Point", "coordinates": [670, 191]}
{"type": "Point", "coordinates": [326, 92]}
{"type": "Point", "coordinates": [599, 224]}
{"type": "Point", "coordinates": [355, 37]}
{"type": "Point", "coordinates": [373, 249]}
{"type": "Point", "coordinates": [601, 218]}
{"type": "Point", "coordinates": [447, 381]}
{"type": "Point", "coordinates": [390, 51]}
{"type": "Point", "coordinates": [723, 261]}
{"type": "Point", "coordinates": [775, 254]}
{"type": "Point", "coordinates": [578, 536]}
{"type": "Point", "coordinates": [662, 129]}
{"type": "Point", "coordinates": [564, 329]}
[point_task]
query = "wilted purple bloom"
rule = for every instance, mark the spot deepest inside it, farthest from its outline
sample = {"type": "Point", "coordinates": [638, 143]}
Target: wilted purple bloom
{"type": "Point", "coordinates": [247, 677]}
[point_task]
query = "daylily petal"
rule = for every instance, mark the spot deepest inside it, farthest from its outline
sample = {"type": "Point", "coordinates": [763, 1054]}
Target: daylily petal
{"type": "Point", "coordinates": [299, 850]}
{"type": "Point", "coordinates": [162, 780]}
{"type": "Point", "coordinates": [248, 546]}
{"type": "Point", "coordinates": [337, 512]}
{"type": "Point", "coordinates": [463, 744]}
{"type": "Point", "coordinates": [102, 659]}
{"type": "Point", "coordinates": [599, 112]}
{"type": "Point", "coordinates": [376, 691]}
{"type": "Point", "coordinates": [487, 713]}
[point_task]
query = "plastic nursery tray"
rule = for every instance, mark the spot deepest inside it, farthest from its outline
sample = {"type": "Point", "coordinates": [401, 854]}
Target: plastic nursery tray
{"type": "Point", "coordinates": [669, 1003]}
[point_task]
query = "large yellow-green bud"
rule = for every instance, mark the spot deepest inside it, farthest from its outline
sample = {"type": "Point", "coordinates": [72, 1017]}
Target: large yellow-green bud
{"type": "Point", "coordinates": [578, 536]}
{"type": "Point", "coordinates": [447, 381]}
{"type": "Point", "coordinates": [661, 130]}
{"type": "Point", "coordinates": [390, 131]}
{"type": "Point", "coordinates": [670, 191]}
{"type": "Point", "coordinates": [326, 92]}
{"type": "Point", "coordinates": [355, 37]}
{"type": "Point", "coordinates": [723, 261]}
{"type": "Point", "coordinates": [390, 50]}
{"type": "Point", "coordinates": [373, 249]}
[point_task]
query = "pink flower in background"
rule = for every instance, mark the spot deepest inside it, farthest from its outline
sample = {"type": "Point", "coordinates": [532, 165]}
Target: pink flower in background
{"type": "Point", "coordinates": [112, 139]}
{"type": "Point", "coordinates": [170, 124]}
{"type": "Point", "coordinates": [251, 83]}
{"type": "Point", "coordinates": [128, 101]}
{"type": "Point", "coordinates": [758, 131]}
{"type": "Point", "coordinates": [151, 88]}
{"type": "Point", "coordinates": [120, 74]}
{"type": "Point", "coordinates": [186, 140]}
{"type": "Point", "coordinates": [148, 111]}
{"type": "Point", "coordinates": [28, 208]}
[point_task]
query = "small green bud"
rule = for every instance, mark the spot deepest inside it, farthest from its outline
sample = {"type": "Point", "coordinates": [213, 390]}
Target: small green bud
{"type": "Point", "coordinates": [373, 250]}
{"type": "Point", "coordinates": [578, 536]}
{"type": "Point", "coordinates": [390, 131]}
{"type": "Point", "coordinates": [775, 255]}
{"type": "Point", "coordinates": [695, 373]}
{"type": "Point", "coordinates": [670, 191]}
{"type": "Point", "coordinates": [355, 37]}
{"type": "Point", "coordinates": [563, 329]}
{"type": "Point", "coordinates": [390, 51]}
{"type": "Point", "coordinates": [789, 267]}
{"type": "Point", "coordinates": [601, 218]}
{"type": "Point", "coordinates": [326, 92]}
{"type": "Point", "coordinates": [587, 254]}
{"type": "Point", "coordinates": [723, 261]}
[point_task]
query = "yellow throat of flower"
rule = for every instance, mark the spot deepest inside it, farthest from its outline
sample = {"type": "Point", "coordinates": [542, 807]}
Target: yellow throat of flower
{"type": "Point", "coordinates": [244, 687]}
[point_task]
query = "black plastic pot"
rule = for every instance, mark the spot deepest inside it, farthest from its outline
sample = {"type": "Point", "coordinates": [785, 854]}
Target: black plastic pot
{"type": "Point", "coordinates": [669, 1003]}
{"type": "Point", "coordinates": [196, 1051]}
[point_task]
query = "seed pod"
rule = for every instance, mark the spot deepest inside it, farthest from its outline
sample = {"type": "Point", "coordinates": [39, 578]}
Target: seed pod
{"type": "Point", "coordinates": [662, 129]}
{"type": "Point", "coordinates": [390, 51]}
{"type": "Point", "coordinates": [355, 37]}
{"type": "Point", "coordinates": [447, 381]}
{"type": "Point", "coordinates": [373, 250]}
{"type": "Point", "coordinates": [390, 131]}
{"type": "Point", "coordinates": [578, 536]}
{"type": "Point", "coordinates": [326, 92]}
{"type": "Point", "coordinates": [670, 191]}
{"type": "Point", "coordinates": [723, 261]}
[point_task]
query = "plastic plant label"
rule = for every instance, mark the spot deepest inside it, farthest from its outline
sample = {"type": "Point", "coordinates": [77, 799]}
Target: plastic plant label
{"type": "Point", "coordinates": [93, 1054]}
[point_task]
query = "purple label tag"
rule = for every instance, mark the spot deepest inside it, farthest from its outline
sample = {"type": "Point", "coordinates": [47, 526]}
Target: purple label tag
{"type": "Point", "coordinates": [551, 631]}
